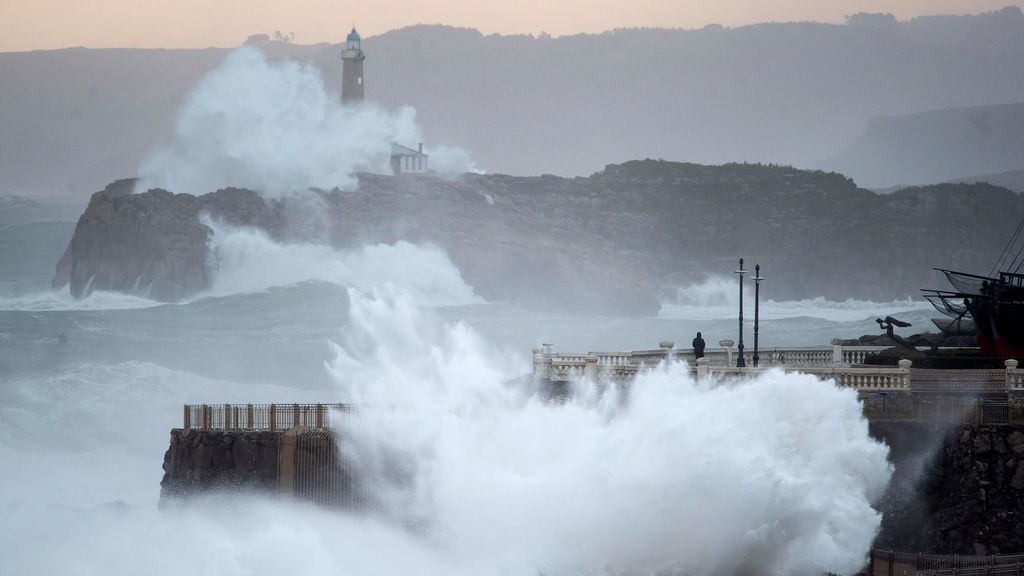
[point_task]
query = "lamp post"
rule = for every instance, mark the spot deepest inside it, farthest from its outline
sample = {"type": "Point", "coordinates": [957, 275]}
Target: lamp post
{"type": "Point", "coordinates": [757, 302]}
{"type": "Point", "coordinates": [740, 362]}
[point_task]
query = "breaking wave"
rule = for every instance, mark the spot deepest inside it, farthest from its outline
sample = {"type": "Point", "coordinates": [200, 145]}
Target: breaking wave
{"type": "Point", "coordinates": [718, 297]}
{"type": "Point", "coordinates": [674, 476]}
{"type": "Point", "coordinates": [247, 260]}
{"type": "Point", "coordinates": [61, 300]}
{"type": "Point", "coordinates": [671, 476]}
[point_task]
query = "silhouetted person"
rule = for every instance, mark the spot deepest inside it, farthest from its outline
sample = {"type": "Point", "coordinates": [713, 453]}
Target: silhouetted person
{"type": "Point", "coordinates": [698, 347]}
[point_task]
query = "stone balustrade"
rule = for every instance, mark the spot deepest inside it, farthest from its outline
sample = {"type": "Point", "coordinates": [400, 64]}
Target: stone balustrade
{"type": "Point", "coordinates": [842, 364]}
{"type": "Point", "coordinates": [1014, 379]}
{"type": "Point", "coordinates": [871, 379]}
{"type": "Point", "coordinates": [547, 363]}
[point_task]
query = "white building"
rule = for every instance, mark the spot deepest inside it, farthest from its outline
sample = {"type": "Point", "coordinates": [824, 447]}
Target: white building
{"type": "Point", "coordinates": [406, 160]}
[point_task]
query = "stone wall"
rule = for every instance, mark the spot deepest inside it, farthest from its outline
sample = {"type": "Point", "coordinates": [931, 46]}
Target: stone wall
{"type": "Point", "coordinates": [205, 461]}
{"type": "Point", "coordinates": [956, 489]}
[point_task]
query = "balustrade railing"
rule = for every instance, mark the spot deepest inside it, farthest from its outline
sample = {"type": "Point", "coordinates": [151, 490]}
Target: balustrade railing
{"type": "Point", "coordinates": [945, 395]}
{"type": "Point", "coordinates": [1014, 379]}
{"type": "Point", "coordinates": [571, 365]}
{"type": "Point", "coordinates": [868, 379]}
{"type": "Point", "coordinates": [843, 364]}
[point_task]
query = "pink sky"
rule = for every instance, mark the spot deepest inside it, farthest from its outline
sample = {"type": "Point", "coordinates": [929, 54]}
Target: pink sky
{"type": "Point", "coordinates": [41, 24]}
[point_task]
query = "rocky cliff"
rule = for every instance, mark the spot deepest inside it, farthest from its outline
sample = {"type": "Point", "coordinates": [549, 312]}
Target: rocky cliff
{"type": "Point", "coordinates": [615, 241]}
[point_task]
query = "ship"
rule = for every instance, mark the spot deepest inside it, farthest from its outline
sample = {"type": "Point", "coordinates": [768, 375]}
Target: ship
{"type": "Point", "coordinates": [989, 306]}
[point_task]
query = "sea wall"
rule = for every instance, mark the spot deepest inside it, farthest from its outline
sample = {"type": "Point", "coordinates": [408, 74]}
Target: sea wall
{"type": "Point", "coordinates": [955, 490]}
{"type": "Point", "coordinates": [204, 461]}
{"type": "Point", "coordinates": [301, 462]}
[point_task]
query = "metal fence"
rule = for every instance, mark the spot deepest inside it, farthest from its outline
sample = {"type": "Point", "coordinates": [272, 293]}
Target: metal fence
{"type": "Point", "coordinates": [952, 411]}
{"type": "Point", "coordinates": [896, 563]}
{"type": "Point", "coordinates": [273, 417]}
{"type": "Point", "coordinates": [318, 474]}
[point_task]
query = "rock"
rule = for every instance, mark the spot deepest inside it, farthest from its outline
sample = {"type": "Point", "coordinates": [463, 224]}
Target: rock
{"type": "Point", "coordinates": [242, 454]}
{"type": "Point", "coordinates": [200, 461]}
{"type": "Point", "coordinates": [1017, 481]}
{"type": "Point", "coordinates": [982, 444]}
{"type": "Point", "coordinates": [999, 445]}
{"type": "Point", "coordinates": [1016, 443]}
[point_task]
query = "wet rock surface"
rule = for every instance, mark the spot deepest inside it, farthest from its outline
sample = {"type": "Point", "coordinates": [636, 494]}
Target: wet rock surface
{"type": "Point", "coordinates": [955, 490]}
{"type": "Point", "coordinates": [198, 462]}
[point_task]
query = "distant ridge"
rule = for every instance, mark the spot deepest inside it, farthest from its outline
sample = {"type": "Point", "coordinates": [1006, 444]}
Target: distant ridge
{"type": "Point", "coordinates": [939, 146]}
{"type": "Point", "coordinates": [1013, 180]}
{"type": "Point", "coordinates": [73, 120]}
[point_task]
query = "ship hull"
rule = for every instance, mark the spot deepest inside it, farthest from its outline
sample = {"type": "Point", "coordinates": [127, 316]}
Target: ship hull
{"type": "Point", "coordinates": [1008, 329]}
{"type": "Point", "coordinates": [980, 311]}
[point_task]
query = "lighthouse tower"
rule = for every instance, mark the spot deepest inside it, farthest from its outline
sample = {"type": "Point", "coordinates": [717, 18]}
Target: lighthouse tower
{"type": "Point", "coordinates": [352, 69]}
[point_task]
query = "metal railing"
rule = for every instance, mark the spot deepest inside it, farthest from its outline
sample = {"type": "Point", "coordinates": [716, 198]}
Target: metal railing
{"type": "Point", "coordinates": [271, 417]}
{"type": "Point", "coordinates": [957, 411]}
{"type": "Point", "coordinates": [979, 381]}
{"type": "Point", "coordinates": [897, 563]}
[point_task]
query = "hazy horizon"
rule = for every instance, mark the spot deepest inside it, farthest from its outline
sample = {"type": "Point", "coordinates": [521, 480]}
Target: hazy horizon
{"type": "Point", "coordinates": [57, 24]}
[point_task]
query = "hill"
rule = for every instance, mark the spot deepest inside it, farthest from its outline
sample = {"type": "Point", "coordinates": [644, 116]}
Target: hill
{"type": "Point", "coordinates": [940, 146]}
{"type": "Point", "coordinates": [1012, 180]}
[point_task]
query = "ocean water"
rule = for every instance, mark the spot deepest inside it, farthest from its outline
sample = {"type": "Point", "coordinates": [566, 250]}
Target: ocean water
{"type": "Point", "coordinates": [502, 482]}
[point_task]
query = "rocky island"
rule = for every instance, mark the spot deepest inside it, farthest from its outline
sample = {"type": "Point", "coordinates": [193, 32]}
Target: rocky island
{"type": "Point", "coordinates": [614, 242]}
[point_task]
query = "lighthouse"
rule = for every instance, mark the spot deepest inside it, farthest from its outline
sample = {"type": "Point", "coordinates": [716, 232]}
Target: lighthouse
{"type": "Point", "coordinates": [352, 69]}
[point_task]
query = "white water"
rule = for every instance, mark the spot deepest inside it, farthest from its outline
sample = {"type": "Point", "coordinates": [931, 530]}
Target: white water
{"type": "Point", "coordinates": [718, 297]}
{"type": "Point", "coordinates": [272, 127]}
{"type": "Point", "coordinates": [774, 475]}
{"type": "Point", "coordinates": [246, 260]}
{"type": "Point", "coordinates": [55, 300]}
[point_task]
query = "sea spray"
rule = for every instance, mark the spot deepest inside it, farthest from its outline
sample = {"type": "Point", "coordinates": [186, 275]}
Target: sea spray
{"type": "Point", "coordinates": [245, 260]}
{"type": "Point", "coordinates": [271, 126]}
{"type": "Point", "coordinates": [474, 472]}
{"type": "Point", "coordinates": [774, 474]}
{"type": "Point", "coordinates": [718, 297]}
